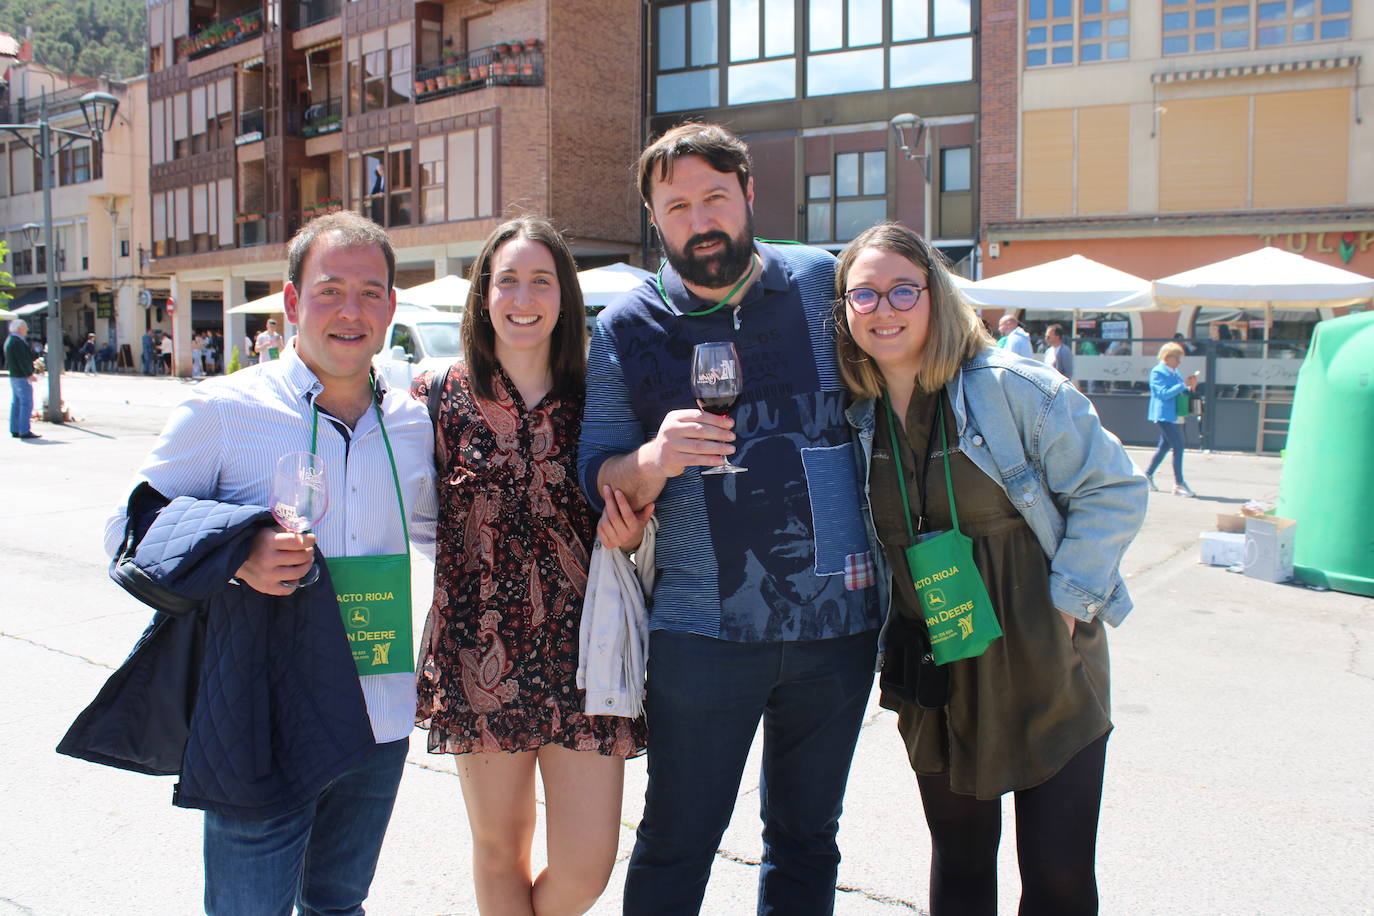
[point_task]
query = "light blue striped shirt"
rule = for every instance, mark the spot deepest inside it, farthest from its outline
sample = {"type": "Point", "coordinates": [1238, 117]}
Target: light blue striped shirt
{"type": "Point", "coordinates": [223, 443]}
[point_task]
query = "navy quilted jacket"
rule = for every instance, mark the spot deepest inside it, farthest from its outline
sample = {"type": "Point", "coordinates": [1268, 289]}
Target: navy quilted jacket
{"type": "Point", "coordinates": [279, 712]}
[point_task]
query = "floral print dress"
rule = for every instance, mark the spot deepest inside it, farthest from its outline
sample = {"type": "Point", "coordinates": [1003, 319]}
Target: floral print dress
{"type": "Point", "coordinates": [497, 669]}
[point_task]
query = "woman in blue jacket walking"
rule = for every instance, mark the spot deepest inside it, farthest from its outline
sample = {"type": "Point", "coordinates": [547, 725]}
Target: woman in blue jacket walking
{"type": "Point", "coordinates": [1166, 384]}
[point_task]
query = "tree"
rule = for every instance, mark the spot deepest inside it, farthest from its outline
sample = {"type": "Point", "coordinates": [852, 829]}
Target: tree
{"type": "Point", "coordinates": [83, 38]}
{"type": "Point", "coordinates": [6, 280]}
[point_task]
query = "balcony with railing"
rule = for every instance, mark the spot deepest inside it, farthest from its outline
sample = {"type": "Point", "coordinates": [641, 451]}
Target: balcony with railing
{"type": "Point", "coordinates": [251, 125]}
{"type": "Point", "coordinates": [511, 64]}
{"type": "Point", "coordinates": [322, 118]}
{"type": "Point", "coordinates": [220, 34]}
{"type": "Point", "coordinates": [312, 12]}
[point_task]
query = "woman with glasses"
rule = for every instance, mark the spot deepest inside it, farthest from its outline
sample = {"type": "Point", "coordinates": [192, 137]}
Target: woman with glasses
{"type": "Point", "coordinates": [1050, 501]}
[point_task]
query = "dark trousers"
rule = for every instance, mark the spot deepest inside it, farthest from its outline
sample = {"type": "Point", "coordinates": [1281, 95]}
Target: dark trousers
{"type": "Point", "coordinates": [1170, 438]}
{"type": "Point", "coordinates": [1056, 842]}
{"type": "Point", "coordinates": [705, 700]}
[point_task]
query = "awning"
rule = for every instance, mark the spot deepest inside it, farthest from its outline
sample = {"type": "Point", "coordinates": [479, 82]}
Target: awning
{"type": "Point", "coordinates": [36, 299]}
{"type": "Point", "coordinates": [1236, 71]}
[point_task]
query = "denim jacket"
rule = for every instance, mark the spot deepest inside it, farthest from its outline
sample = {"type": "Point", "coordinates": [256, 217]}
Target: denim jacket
{"type": "Point", "coordinates": [1029, 429]}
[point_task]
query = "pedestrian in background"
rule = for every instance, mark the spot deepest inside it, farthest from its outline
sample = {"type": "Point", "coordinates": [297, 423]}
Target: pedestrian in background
{"type": "Point", "coordinates": [149, 353]}
{"type": "Point", "coordinates": [1057, 354]}
{"type": "Point", "coordinates": [19, 363]}
{"type": "Point", "coordinates": [498, 660]}
{"type": "Point", "coordinates": [1051, 501]}
{"type": "Point", "coordinates": [88, 355]}
{"type": "Point", "coordinates": [1167, 384]}
{"type": "Point", "coordinates": [1014, 337]}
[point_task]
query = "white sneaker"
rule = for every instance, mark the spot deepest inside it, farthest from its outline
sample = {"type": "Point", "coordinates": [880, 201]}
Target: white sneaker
{"type": "Point", "coordinates": [1181, 489]}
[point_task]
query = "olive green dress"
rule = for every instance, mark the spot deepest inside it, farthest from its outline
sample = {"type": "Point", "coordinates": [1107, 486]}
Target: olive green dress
{"type": "Point", "coordinates": [1020, 711]}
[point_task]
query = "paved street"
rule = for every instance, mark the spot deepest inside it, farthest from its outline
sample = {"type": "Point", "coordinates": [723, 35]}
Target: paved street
{"type": "Point", "coordinates": [1239, 776]}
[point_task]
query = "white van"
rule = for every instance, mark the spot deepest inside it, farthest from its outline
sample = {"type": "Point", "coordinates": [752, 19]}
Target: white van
{"type": "Point", "coordinates": [418, 339]}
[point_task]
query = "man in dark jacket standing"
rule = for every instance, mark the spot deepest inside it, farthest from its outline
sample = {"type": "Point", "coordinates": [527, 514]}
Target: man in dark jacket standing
{"type": "Point", "coordinates": [269, 850]}
{"type": "Point", "coordinates": [19, 361]}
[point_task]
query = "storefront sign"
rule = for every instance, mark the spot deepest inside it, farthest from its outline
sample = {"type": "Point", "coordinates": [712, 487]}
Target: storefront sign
{"type": "Point", "coordinates": [104, 305]}
{"type": "Point", "coordinates": [1346, 244]}
{"type": "Point", "coordinates": [1274, 371]}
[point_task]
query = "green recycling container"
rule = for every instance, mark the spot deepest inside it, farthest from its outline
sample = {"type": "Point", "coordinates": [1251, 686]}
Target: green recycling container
{"type": "Point", "coordinates": [1328, 470]}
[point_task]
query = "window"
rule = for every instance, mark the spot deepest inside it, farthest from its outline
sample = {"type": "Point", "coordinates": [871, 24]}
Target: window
{"type": "Point", "coordinates": [955, 173]}
{"type": "Point", "coordinates": [123, 235]}
{"type": "Point", "coordinates": [848, 34]}
{"type": "Point", "coordinates": [74, 165]}
{"type": "Point", "coordinates": [380, 64]}
{"type": "Point", "coordinates": [383, 183]}
{"type": "Point", "coordinates": [687, 56]}
{"type": "Point", "coordinates": [432, 180]}
{"type": "Point", "coordinates": [1222, 25]}
{"type": "Point", "coordinates": [846, 202]}
{"type": "Point", "coordinates": [1076, 31]}
{"type": "Point", "coordinates": [762, 31]}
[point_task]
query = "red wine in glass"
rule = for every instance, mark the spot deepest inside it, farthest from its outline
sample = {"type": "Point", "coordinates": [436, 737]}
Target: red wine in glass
{"type": "Point", "coordinates": [716, 384]}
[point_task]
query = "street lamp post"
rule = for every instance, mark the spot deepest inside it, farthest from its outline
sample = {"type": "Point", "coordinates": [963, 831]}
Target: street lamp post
{"type": "Point", "coordinates": [98, 109]}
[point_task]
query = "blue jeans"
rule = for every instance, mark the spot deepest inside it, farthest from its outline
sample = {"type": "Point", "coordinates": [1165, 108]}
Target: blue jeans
{"type": "Point", "coordinates": [705, 699]}
{"type": "Point", "coordinates": [320, 857]}
{"type": "Point", "coordinates": [21, 405]}
{"type": "Point", "coordinates": [1170, 437]}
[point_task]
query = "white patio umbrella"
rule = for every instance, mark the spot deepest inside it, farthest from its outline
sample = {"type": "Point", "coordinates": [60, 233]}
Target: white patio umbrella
{"type": "Point", "coordinates": [601, 285]}
{"type": "Point", "coordinates": [449, 293]}
{"type": "Point", "coordinates": [1268, 278]}
{"type": "Point", "coordinates": [1075, 283]}
{"type": "Point", "coordinates": [270, 304]}
{"type": "Point", "coordinates": [273, 304]}
{"type": "Point", "coordinates": [6, 315]}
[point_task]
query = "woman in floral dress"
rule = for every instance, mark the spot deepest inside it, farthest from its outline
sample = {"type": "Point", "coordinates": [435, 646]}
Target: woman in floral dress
{"type": "Point", "coordinates": [498, 659]}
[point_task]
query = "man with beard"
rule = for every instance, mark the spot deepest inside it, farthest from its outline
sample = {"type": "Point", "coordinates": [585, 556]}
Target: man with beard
{"type": "Point", "coordinates": [726, 649]}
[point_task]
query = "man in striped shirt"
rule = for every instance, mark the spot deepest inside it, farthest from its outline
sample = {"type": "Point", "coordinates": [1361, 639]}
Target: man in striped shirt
{"type": "Point", "coordinates": [377, 447]}
{"type": "Point", "coordinates": [765, 606]}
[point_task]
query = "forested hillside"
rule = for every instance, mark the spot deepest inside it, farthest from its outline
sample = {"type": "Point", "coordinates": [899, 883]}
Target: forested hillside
{"type": "Point", "coordinates": [82, 37]}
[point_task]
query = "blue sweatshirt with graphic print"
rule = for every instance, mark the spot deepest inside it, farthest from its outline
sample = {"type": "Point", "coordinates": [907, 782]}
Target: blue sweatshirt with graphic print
{"type": "Point", "coordinates": [775, 554]}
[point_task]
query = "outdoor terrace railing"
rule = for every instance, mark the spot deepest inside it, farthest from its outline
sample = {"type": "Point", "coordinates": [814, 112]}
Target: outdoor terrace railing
{"type": "Point", "coordinates": [250, 127]}
{"type": "Point", "coordinates": [507, 64]}
{"type": "Point", "coordinates": [311, 12]}
{"type": "Point", "coordinates": [322, 118]}
{"type": "Point", "coordinates": [222, 33]}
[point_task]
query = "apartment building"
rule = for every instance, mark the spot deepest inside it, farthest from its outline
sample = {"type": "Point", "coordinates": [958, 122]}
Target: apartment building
{"type": "Point", "coordinates": [436, 119]}
{"type": "Point", "coordinates": [813, 86]}
{"type": "Point", "coordinates": [99, 207]}
{"type": "Point", "coordinates": [1161, 135]}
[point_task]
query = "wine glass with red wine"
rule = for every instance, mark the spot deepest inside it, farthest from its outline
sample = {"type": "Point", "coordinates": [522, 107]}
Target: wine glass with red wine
{"type": "Point", "coordinates": [717, 384]}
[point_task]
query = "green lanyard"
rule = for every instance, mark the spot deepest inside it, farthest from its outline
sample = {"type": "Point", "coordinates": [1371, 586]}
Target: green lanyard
{"type": "Point", "coordinates": [901, 478]}
{"type": "Point", "coordinates": [702, 313]}
{"type": "Point", "coordinates": [391, 457]}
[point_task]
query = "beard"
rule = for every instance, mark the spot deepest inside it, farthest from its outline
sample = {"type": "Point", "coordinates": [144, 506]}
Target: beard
{"type": "Point", "coordinates": [718, 270]}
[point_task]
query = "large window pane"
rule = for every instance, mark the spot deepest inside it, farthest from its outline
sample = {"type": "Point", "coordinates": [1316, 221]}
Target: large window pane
{"type": "Point", "coordinates": [1336, 28]}
{"type": "Point", "coordinates": [703, 33]}
{"type": "Point", "coordinates": [865, 22]}
{"type": "Point", "coordinates": [936, 62]}
{"type": "Point", "coordinates": [827, 25]}
{"type": "Point", "coordinates": [875, 173]}
{"type": "Point", "coordinates": [909, 20]}
{"type": "Point", "coordinates": [779, 27]}
{"type": "Point", "coordinates": [744, 29]}
{"type": "Point", "coordinates": [763, 81]}
{"type": "Point", "coordinates": [693, 89]}
{"type": "Point", "coordinates": [847, 175]}
{"type": "Point", "coordinates": [955, 169]}
{"type": "Point", "coordinates": [952, 17]}
{"type": "Point", "coordinates": [818, 222]}
{"type": "Point", "coordinates": [854, 216]}
{"type": "Point", "coordinates": [851, 71]}
{"type": "Point", "coordinates": [672, 37]}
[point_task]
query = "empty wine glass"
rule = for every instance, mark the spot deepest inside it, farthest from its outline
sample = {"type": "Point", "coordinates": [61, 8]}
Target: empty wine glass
{"type": "Point", "coordinates": [299, 498]}
{"type": "Point", "coordinates": [717, 384]}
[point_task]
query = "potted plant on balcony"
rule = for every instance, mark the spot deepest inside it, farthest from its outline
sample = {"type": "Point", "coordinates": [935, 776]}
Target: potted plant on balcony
{"type": "Point", "coordinates": [532, 44]}
{"type": "Point", "coordinates": [421, 88]}
{"type": "Point", "coordinates": [457, 76]}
